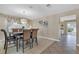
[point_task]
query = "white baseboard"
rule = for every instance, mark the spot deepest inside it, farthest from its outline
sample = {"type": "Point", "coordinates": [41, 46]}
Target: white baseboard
{"type": "Point", "coordinates": [48, 38]}
{"type": "Point", "coordinates": [78, 45]}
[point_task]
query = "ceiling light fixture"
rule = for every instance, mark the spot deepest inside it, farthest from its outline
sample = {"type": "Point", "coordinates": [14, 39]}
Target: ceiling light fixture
{"type": "Point", "coordinates": [23, 11]}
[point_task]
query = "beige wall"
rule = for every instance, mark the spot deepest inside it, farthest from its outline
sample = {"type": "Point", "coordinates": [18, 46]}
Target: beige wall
{"type": "Point", "coordinates": [52, 30]}
{"type": "Point", "coordinates": [53, 26]}
{"type": "Point", "coordinates": [2, 22]}
{"type": "Point", "coordinates": [2, 25]}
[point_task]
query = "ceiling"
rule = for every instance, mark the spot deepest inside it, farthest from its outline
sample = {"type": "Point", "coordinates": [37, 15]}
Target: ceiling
{"type": "Point", "coordinates": [33, 11]}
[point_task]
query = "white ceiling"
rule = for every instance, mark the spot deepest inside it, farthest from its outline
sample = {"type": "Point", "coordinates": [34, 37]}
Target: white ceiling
{"type": "Point", "coordinates": [33, 11]}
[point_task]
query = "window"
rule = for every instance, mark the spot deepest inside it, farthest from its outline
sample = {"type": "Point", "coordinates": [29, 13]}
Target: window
{"type": "Point", "coordinates": [23, 21]}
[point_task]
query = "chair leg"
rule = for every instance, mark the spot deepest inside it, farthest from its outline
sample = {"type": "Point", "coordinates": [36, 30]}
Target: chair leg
{"type": "Point", "coordinates": [32, 40]}
{"type": "Point", "coordinates": [30, 43]}
{"type": "Point", "coordinates": [17, 45]}
{"type": "Point", "coordinates": [23, 45]}
{"type": "Point", "coordinates": [26, 42]}
{"type": "Point", "coordinates": [6, 46]}
{"type": "Point", "coordinates": [14, 42]}
{"type": "Point", "coordinates": [36, 41]}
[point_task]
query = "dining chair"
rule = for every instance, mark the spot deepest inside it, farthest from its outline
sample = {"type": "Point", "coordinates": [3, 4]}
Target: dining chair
{"type": "Point", "coordinates": [17, 30]}
{"type": "Point", "coordinates": [26, 38]}
{"type": "Point", "coordinates": [18, 34]}
{"type": "Point", "coordinates": [34, 35]}
{"type": "Point", "coordinates": [8, 40]}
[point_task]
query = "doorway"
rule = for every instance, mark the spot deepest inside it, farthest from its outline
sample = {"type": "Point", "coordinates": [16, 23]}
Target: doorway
{"type": "Point", "coordinates": [71, 28]}
{"type": "Point", "coordinates": [68, 31]}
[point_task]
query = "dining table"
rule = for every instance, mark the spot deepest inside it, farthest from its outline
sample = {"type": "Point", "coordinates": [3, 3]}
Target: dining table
{"type": "Point", "coordinates": [19, 36]}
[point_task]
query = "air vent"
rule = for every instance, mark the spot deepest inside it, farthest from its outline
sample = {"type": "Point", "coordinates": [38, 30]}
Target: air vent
{"type": "Point", "coordinates": [48, 5]}
{"type": "Point", "coordinates": [30, 7]}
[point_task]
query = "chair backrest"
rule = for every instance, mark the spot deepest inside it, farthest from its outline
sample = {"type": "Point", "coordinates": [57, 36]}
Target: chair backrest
{"type": "Point", "coordinates": [17, 30]}
{"type": "Point", "coordinates": [26, 34]}
{"type": "Point", "coordinates": [34, 33]}
{"type": "Point", "coordinates": [5, 33]}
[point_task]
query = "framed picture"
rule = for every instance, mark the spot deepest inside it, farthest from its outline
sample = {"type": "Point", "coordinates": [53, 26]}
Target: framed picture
{"type": "Point", "coordinates": [43, 22]}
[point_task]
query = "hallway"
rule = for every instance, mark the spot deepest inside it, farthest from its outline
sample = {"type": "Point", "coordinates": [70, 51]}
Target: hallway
{"type": "Point", "coordinates": [66, 45]}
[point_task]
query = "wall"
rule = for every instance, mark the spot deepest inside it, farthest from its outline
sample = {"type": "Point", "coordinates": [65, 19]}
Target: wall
{"type": "Point", "coordinates": [52, 30]}
{"type": "Point", "coordinates": [53, 26]}
{"type": "Point", "coordinates": [2, 22]}
{"type": "Point", "coordinates": [2, 25]}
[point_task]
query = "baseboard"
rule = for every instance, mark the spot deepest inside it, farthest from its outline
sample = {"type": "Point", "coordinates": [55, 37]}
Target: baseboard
{"type": "Point", "coordinates": [48, 38]}
{"type": "Point", "coordinates": [78, 45]}
{"type": "Point", "coordinates": [2, 40]}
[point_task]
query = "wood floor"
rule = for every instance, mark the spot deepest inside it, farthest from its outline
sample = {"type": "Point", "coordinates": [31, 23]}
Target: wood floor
{"type": "Point", "coordinates": [66, 45]}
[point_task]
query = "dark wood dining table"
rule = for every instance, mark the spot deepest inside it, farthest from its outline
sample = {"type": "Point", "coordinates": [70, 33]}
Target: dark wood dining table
{"type": "Point", "coordinates": [19, 35]}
